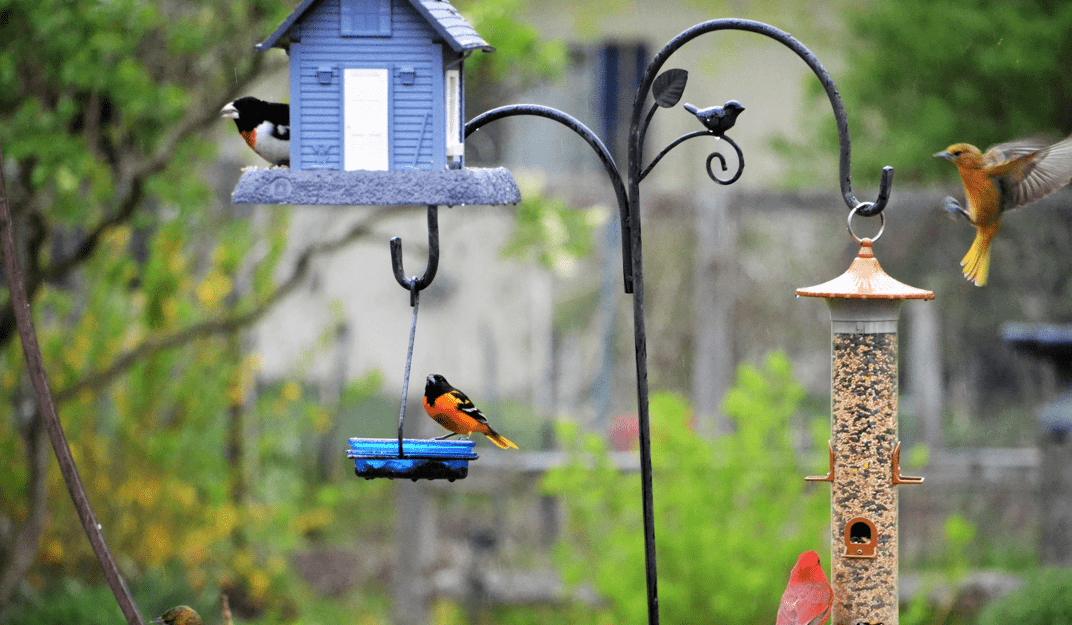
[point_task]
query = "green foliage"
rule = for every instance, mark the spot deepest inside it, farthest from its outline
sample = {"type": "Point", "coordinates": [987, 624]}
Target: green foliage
{"type": "Point", "coordinates": [84, 85]}
{"type": "Point", "coordinates": [955, 562]}
{"type": "Point", "coordinates": [1045, 598]}
{"type": "Point", "coordinates": [922, 75]}
{"type": "Point", "coordinates": [732, 514]}
{"type": "Point", "coordinates": [551, 233]}
{"type": "Point", "coordinates": [105, 108]}
{"type": "Point", "coordinates": [74, 604]}
{"type": "Point", "coordinates": [520, 56]}
{"type": "Point", "coordinates": [72, 601]}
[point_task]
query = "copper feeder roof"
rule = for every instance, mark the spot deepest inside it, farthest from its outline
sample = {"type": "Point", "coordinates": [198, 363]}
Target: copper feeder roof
{"type": "Point", "coordinates": [865, 279]}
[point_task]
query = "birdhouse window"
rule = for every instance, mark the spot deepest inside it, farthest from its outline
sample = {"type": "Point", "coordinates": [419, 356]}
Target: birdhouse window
{"type": "Point", "coordinates": [365, 18]}
{"type": "Point", "coordinates": [366, 94]}
{"type": "Point", "coordinates": [453, 90]}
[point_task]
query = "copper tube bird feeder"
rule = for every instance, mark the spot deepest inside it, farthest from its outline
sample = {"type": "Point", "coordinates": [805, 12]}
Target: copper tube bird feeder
{"type": "Point", "coordinates": [864, 469]}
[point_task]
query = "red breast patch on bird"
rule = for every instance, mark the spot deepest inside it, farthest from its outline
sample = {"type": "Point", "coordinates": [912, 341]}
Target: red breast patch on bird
{"type": "Point", "coordinates": [250, 136]}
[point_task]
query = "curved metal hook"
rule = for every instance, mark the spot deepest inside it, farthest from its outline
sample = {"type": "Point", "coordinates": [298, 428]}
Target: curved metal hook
{"type": "Point", "coordinates": [415, 284]}
{"type": "Point", "coordinates": [596, 144]}
{"type": "Point", "coordinates": [790, 42]}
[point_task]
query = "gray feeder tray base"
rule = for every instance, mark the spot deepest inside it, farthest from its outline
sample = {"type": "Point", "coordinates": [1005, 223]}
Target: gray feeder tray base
{"type": "Point", "coordinates": [452, 187]}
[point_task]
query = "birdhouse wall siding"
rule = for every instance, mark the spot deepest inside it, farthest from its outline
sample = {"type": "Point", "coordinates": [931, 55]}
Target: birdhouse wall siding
{"type": "Point", "coordinates": [416, 119]}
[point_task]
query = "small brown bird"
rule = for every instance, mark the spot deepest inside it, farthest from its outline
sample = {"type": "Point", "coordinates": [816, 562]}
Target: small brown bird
{"type": "Point", "coordinates": [180, 615]}
{"type": "Point", "coordinates": [1005, 177]}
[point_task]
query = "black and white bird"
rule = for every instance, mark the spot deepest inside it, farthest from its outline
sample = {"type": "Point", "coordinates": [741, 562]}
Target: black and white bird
{"type": "Point", "coordinates": [264, 125]}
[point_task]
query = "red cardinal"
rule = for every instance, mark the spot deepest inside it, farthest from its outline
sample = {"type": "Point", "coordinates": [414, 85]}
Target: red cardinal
{"type": "Point", "coordinates": [807, 598]}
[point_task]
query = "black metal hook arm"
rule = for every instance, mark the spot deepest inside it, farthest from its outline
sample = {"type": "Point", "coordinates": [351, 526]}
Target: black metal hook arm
{"type": "Point", "coordinates": [596, 144]}
{"type": "Point", "coordinates": [415, 284]}
{"type": "Point", "coordinates": [866, 209]}
{"type": "Point", "coordinates": [714, 155]}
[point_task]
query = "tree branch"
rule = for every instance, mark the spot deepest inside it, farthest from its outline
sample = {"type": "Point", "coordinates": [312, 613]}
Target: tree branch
{"type": "Point", "coordinates": [225, 324]}
{"type": "Point", "coordinates": [23, 546]}
{"type": "Point", "coordinates": [130, 192]}
{"type": "Point", "coordinates": [46, 403]}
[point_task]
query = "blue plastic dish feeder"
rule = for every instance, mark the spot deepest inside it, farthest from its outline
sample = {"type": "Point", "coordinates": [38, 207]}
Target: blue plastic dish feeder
{"type": "Point", "coordinates": [423, 459]}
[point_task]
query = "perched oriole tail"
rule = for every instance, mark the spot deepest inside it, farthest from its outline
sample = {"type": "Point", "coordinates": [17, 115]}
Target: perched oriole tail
{"type": "Point", "coordinates": [976, 262]}
{"type": "Point", "coordinates": [499, 439]}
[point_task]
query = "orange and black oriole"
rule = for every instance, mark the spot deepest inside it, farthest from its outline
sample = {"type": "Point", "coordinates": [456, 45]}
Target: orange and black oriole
{"type": "Point", "coordinates": [450, 408]}
{"type": "Point", "coordinates": [1006, 176]}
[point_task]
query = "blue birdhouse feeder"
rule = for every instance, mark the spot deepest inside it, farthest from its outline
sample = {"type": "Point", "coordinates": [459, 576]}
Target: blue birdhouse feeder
{"type": "Point", "coordinates": [377, 117]}
{"type": "Point", "coordinates": [377, 108]}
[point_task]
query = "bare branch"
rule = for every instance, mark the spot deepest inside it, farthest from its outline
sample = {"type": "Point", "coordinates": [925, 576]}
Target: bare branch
{"type": "Point", "coordinates": [225, 324]}
{"type": "Point", "coordinates": [225, 608]}
{"type": "Point", "coordinates": [23, 545]}
{"type": "Point", "coordinates": [46, 403]}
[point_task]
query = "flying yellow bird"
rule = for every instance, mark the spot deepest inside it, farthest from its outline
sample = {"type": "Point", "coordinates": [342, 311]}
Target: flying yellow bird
{"type": "Point", "coordinates": [1005, 177]}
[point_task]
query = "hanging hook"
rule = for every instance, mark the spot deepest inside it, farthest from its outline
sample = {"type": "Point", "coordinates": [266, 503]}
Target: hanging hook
{"type": "Point", "coordinates": [415, 284]}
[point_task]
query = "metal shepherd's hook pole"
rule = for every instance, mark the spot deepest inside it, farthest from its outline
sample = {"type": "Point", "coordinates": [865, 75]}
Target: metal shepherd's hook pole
{"type": "Point", "coordinates": [666, 88]}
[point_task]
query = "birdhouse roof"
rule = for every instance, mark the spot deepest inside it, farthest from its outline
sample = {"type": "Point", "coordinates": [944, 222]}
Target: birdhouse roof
{"type": "Point", "coordinates": [440, 14]}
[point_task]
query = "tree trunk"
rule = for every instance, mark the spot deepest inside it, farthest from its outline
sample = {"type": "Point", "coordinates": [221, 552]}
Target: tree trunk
{"type": "Point", "coordinates": [18, 554]}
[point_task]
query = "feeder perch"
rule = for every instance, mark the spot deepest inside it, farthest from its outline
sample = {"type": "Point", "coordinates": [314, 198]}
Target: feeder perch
{"type": "Point", "coordinates": [864, 451]}
{"type": "Point", "coordinates": [413, 459]}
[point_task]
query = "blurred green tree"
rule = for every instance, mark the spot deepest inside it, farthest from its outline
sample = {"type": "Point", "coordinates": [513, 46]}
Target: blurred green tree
{"type": "Point", "coordinates": [1044, 597]}
{"type": "Point", "coordinates": [142, 279]}
{"type": "Point", "coordinates": [922, 75]}
{"type": "Point", "coordinates": [131, 268]}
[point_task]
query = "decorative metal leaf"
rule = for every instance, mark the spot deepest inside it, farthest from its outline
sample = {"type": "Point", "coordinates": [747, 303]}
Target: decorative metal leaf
{"type": "Point", "coordinates": [669, 86]}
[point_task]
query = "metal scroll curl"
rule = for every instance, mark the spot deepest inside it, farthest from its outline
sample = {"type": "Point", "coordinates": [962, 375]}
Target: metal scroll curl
{"type": "Point", "coordinates": [722, 161]}
{"type": "Point", "coordinates": [714, 155]}
{"type": "Point", "coordinates": [667, 87]}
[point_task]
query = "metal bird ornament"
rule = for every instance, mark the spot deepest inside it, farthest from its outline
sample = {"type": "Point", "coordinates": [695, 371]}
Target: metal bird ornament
{"type": "Point", "coordinates": [717, 119]}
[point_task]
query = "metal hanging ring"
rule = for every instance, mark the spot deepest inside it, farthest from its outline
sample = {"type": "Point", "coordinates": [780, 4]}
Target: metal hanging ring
{"type": "Point", "coordinates": [862, 207]}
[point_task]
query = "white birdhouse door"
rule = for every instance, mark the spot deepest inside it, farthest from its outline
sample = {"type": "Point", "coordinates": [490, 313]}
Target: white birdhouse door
{"type": "Point", "coordinates": [366, 97]}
